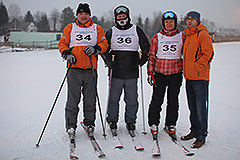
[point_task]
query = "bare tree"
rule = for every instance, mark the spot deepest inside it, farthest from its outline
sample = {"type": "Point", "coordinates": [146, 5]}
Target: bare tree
{"type": "Point", "coordinates": [14, 12]}
{"type": "Point", "coordinates": [54, 17]}
{"type": "Point", "coordinates": [38, 15]}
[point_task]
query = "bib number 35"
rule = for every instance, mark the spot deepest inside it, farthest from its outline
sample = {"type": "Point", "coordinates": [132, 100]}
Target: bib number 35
{"type": "Point", "coordinates": [169, 47]}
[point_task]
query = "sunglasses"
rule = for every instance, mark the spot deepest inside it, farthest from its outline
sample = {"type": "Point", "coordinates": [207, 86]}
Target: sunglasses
{"type": "Point", "coordinates": [169, 15]}
{"type": "Point", "coordinates": [121, 9]}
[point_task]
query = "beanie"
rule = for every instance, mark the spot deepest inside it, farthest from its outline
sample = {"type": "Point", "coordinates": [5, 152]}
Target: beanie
{"type": "Point", "coordinates": [194, 14]}
{"type": "Point", "coordinates": [83, 7]}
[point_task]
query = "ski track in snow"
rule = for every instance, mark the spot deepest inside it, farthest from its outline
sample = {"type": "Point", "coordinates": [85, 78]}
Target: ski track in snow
{"type": "Point", "coordinates": [29, 84]}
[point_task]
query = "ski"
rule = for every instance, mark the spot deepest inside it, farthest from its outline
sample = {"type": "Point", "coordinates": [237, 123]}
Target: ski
{"type": "Point", "coordinates": [94, 143]}
{"type": "Point", "coordinates": [156, 147]}
{"type": "Point", "coordinates": [136, 143]}
{"type": "Point", "coordinates": [117, 142]}
{"type": "Point", "coordinates": [174, 138]}
{"type": "Point", "coordinates": [73, 155]}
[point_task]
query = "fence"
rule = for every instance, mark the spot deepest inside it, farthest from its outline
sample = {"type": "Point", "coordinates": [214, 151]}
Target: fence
{"type": "Point", "coordinates": [35, 44]}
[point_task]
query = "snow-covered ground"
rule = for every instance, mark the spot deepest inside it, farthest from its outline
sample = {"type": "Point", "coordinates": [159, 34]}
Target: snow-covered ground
{"type": "Point", "coordinates": [29, 83]}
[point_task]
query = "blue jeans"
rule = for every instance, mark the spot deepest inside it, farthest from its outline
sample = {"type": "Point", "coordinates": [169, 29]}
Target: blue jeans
{"type": "Point", "coordinates": [197, 96]}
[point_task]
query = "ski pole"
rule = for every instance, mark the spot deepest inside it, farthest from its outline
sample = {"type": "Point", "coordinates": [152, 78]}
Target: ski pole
{"type": "Point", "coordinates": [109, 89]}
{"type": "Point", "coordinates": [54, 103]}
{"type": "Point", "coordinates": [100, 111]}
{"type": "Point", "coordinates": [141, 79]}
{"type": "Point", "coordinates": [144, 131]}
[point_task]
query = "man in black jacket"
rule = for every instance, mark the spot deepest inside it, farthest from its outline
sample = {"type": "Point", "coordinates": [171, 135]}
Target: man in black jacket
{"type": "Point", "coordinates": [125, 39]}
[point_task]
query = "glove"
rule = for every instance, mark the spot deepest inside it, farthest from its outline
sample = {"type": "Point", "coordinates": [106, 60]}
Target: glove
{"type": "Point", "coordinates": [67, 55]}
{"type": "Point", "coordinates": [89, 50]}
{"type": "Point", "coordinates": [142, 61]}
{"type": "Point", "coordinates": [71, 59]}
{"type": "Point", "coordinates": [151, 79]}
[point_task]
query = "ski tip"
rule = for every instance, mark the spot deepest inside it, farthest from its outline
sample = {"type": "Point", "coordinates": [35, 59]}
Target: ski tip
{"type": "Point", "coordinates": [190, 154]}
{"type": "Point", "coordinates": [156, 155]}
{"type": "Point", "coordinates": [102, 156]}
{"type": "Point", "coordinates": [73, 158]}
{"type": "Point", "coordinates": [119, 147]}
{"type": "Point", "coordinates": [37, 145]}
{"type": "Point", "coordinates": [140, 149]}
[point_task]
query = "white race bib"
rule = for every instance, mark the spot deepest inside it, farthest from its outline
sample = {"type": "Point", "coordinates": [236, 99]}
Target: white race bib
{"type": "Point", "coordinates": [126, 40]}
{"type": "Point", "coordinates": [83, 36]}
{"type": "Point", "coordinates": [169, 47]}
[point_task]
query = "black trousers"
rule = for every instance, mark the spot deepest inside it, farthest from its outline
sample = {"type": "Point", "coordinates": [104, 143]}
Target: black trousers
{"type": "Point", "coordinates": [172, 83]}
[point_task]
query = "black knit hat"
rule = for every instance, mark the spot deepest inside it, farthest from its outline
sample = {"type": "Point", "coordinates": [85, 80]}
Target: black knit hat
{"type": "Point", "coordinates": [83, 7]}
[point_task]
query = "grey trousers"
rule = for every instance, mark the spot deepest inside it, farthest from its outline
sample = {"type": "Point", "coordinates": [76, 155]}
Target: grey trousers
{"type": "Point", "coordinates": [80, 81]}
{"type": "Point", "coordinates": [130, 97]}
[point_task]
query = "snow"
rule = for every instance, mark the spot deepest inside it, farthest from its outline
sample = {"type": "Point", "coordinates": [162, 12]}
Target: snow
{"type": "Point", "coordinates": [30, 81]}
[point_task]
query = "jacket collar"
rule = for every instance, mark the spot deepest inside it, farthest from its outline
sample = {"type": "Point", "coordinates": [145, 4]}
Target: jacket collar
{"type": "Point", "coordinates": [169, 33]}
{"type": "Point", "coordinates": [190, 31]}
{"type": "Point", "coordinates": [86, 25]}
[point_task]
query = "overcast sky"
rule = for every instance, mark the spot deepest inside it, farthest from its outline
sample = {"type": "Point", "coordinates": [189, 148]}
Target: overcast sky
{"type": "Point", "coordinates": [222, 12]}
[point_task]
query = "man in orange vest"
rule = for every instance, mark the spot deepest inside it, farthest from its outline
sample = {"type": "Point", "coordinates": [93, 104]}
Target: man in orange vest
{"type": "Point", "coordinates": [81, 40]}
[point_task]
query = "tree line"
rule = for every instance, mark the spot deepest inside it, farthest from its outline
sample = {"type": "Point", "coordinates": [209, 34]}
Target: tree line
{"type": "Point", "coordinates": [56, 20]}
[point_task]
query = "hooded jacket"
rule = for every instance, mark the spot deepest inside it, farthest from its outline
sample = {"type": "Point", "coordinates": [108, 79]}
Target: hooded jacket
{"type": "Point", "coordinates": [197, 53]}
{"type": "Point", "coordinates": [82, 60]}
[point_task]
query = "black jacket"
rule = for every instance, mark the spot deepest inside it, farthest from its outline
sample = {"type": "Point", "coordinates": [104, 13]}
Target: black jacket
{"type": "Point", "coordinates": [125, 64]}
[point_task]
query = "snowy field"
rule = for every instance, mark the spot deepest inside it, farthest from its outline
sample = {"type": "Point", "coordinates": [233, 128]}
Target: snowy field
{"type": "Point", "coordinates": [29, 83]}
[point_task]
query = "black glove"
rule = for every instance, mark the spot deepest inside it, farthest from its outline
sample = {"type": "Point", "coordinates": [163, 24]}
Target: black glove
{"type": "Point", "coordinates": [142, 60]}
{"type": "Point", "coordinates": [108, 60]}
{"type": "Point", "coordinates": [89, 50]}
{"type": "Point", "coordinates": [67, 55]}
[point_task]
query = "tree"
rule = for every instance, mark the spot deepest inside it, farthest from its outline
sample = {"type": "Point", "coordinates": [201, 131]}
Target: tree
{"type": "Point", "coordinates": [43, 24]}
{"type": "Point", "coordinates": [38, 15]}
{"type": "Point", "coordinates": [146, 27]}
{"type": "Point", "coordinates": [55, 14]}
{"type": "Point", "coordinates": [182, 23]}
{"type": "Point", "coordinates": [3, 16]}
{"type": "Point", "coordinates": [107, 21]}
{"type": "Point", "coordinates": [14, 12]}
{"type": "Point", "coordinates": [139, 21]}
{"type": "Point", "coordinates": [95, 20]}
{"type": "Point", "coordinates": [66, 17]}
{"type": "Point", "coordinates": [28, 17]}
{"type": "Point", "coordinates": [157, 23]}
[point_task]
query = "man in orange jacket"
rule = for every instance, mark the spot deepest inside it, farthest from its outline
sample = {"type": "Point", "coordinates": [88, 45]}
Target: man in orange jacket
{"type": "Point", "coordinates": [197, 56]}
{"type": "Point", "coordinates": [81, 40]}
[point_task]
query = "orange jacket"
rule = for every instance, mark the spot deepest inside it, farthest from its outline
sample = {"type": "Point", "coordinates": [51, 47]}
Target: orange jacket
{"type": "Point", "coordinates": [197, 53]}
{"type": "Point", "coordinates": [82, 60]}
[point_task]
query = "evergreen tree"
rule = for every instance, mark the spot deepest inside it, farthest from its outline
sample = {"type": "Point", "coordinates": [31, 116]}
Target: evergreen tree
{"type": "Point", "coordinates": [43, 24]}
{"type": "Point", "coordinates": [67, 17]}
{"type": "Point", "coordinates": [3, 16]}
{"type": "Point", "coordinates": [95, 20]}
{"type": "Point", "coordinates": [147, 28]}
{"type": "Point", "coordinates": [139, 21]}
{"type": "Point", "coordinates": [157, 24]}
{"type": "Point", "coordinates": [28, 17]}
